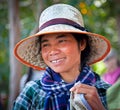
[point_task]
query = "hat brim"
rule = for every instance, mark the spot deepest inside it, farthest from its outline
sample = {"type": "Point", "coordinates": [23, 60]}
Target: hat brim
{"type": "Point", "coordinates": [23, 51]}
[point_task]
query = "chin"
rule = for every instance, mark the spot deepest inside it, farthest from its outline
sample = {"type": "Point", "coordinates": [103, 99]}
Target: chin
{"type": "Point", "coordinates": [57, 70]}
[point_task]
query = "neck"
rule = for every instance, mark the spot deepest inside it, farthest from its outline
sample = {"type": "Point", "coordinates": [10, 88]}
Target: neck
{"type": "Point", "coordinates": [70, 76]}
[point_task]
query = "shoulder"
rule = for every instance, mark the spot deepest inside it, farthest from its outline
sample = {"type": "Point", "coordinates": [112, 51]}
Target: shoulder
{"type": "Point", "coordinates": [32, 89]}
{"type": "Point", "coordinates": [33, 85]}
{"type": "Point", "coordinates": [30, 96]}
{"type": "Point", "coordinates": [100, 84]}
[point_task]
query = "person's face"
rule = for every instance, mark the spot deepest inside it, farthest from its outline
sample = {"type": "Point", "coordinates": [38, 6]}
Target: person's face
{"type": "Point", "coordinates": [61, 52]}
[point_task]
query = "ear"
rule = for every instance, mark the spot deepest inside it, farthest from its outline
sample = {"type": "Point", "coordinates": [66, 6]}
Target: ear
{"type": "Point", "coordinates": [82, 44]}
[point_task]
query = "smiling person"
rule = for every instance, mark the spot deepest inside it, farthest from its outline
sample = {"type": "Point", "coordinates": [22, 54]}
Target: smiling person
{"type": "Point", "coordinates": [64, 49]}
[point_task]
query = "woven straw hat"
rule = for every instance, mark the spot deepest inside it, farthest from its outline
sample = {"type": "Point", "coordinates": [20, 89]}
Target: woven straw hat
{"type": "Point", "coordinates": [59, 18]}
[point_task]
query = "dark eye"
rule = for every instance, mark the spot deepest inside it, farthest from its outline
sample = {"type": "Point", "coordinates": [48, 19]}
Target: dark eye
{"type": "Point", "coordinates": [60, 41]}
{"type": "Point", "coordinates": [44, 45]}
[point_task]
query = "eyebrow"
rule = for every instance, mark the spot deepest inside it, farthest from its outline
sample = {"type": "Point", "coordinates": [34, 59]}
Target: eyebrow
{"type": "Point", "coordinates": [57, 37]}
{"type": "Point", "coordinates": [42, 41]}
{"type": "Point", "coordinates": [60, 36]}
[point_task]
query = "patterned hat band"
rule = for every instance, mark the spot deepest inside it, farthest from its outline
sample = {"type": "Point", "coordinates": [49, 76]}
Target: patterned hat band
{"type": "Point", "coordinates": [61, 21]}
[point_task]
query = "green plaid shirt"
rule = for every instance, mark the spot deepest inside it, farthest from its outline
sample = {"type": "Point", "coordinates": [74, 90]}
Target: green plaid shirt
{"type": "Point", "coordinates": [31, 98]}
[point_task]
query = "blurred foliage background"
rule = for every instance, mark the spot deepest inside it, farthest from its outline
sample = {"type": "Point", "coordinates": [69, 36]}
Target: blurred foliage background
{"type": "Point", "coordinates": [100, 16]}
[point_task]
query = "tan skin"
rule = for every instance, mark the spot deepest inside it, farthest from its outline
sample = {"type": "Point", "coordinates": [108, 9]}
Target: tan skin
{"type": "Point", "coordinates": [61, 53]}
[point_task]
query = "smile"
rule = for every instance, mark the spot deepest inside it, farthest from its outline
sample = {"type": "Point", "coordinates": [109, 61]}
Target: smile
{"type": "Point", "coordinates": [57, 61]}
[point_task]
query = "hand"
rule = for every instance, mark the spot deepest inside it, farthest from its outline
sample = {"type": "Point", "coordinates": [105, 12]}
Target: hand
{"type": "Point", "coordinates": [90, 94]}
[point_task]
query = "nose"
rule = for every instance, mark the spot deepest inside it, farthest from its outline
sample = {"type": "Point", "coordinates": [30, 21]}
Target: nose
{"type": "Point", "coordinates": [54, 51]}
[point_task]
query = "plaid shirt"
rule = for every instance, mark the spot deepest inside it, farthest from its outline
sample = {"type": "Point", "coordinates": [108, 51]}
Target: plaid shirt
{"type": "Point", "coordinates": [33, 97]}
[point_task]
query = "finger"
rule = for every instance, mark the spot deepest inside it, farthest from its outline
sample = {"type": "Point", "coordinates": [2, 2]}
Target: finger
{"type": "Point", "coordinates": [83, 88]}
{"type": "Point", "coordinates": [79, 86]}
{"type": "Point", "coordinates": [73, 89]}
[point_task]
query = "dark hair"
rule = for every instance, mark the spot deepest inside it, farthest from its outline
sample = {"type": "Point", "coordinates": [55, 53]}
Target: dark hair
{"type": "Point", "coordinates": [38, 42]}
{"type": "Point", "coordinates": [85, 53]}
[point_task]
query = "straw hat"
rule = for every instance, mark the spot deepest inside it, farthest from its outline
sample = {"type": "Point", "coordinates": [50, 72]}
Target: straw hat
{"type": "Point", "coordinates": [59, 18]}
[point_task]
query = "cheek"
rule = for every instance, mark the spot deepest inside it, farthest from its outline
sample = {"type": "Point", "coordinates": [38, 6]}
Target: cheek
{"type": "Point", "coordinates": [72, 48]}
{"type": "Point", "coordinates": [72, 51]}
{"type": "Point", "coordinates": [66, 50]}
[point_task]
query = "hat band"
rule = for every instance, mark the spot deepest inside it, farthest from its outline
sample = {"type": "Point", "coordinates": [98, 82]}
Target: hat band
{"type": "Point", "coordinates": [62, 21]}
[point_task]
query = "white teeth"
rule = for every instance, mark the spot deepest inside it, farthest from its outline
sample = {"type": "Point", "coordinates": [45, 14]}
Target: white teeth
{"type": "Point", "coordinates": [56, 61]}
